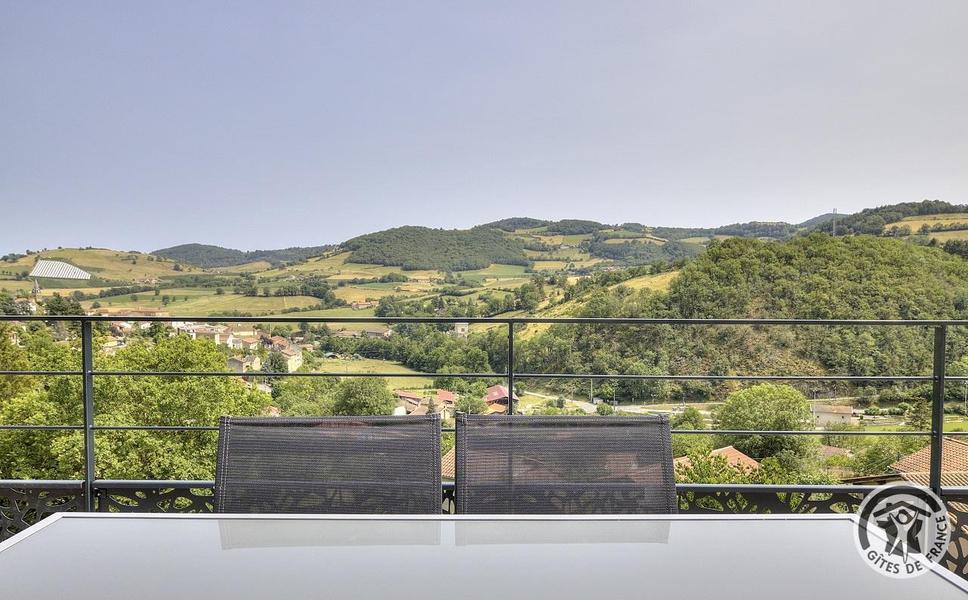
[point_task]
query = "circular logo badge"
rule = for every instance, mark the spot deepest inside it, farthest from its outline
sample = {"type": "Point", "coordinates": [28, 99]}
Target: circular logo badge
{"type": "Point", "coordinates": [901, 528]}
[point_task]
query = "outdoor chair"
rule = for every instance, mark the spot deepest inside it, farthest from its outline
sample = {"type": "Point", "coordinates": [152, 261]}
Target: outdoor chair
{"type": "Point", "coordinates": [564, 465]}
{"type": "Point", "coordinates": [347, 465]}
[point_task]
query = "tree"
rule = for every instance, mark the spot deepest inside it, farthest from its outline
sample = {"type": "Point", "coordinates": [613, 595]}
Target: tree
{"type": "Point", "coordinates": [275, 363]}
{"type": "Point", "coordinates": [305, 396]}
{"type": "Point", "coordinates": [360, 396]}
{"type": "Point", "coordinates": [12, 358]}
{"type": "Point", "coordinates": [919, 415]}
{"type": "Point", "coordinates": [689, 418]}
{"type": "Point", "coordinates": [765, 407]}
{"type": "Point", "coordinates": [472, 404]}
{"type": "Point", "coordinates": [605, 409]}
{"type": "Point", "coordinates": [60, 305]}
{"type": "Point", "coordinates": [127, 401]}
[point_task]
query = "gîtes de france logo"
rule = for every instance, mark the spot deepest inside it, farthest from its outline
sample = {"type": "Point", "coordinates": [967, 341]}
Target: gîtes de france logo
{"type": "Point", "coordinates": [901, 528]}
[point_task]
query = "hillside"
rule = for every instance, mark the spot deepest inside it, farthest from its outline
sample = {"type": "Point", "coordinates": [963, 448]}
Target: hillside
{"type": "Point", "coordinates": [813, 276]}
{"type": "Point", "coordinates": [208, 256]}
{"type": "Point", "coordinates": [873, 221]}
{"type": "Point", "coordinates": [415, 248]}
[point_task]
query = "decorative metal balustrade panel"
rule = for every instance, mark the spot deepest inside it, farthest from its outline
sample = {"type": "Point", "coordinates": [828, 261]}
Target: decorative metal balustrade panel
{"type": "Point", "coordinates": [770, 502]}
{"type": "Point", "coordinates": [178, 499]}
{"type": "Point", "coordinates": [21, 507]}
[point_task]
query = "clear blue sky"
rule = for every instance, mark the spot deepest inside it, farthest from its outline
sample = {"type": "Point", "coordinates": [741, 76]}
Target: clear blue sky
{"type": "Point", "coordinates": [138, 125]}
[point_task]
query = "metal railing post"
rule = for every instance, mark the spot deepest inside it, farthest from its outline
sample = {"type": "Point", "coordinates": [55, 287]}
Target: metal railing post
{"type": "Point", "coordinates": [937, 407]}
{"type": "Point", "coordinates": [87, 360]}
{"type": "Point", "coordinates": [510, 367]}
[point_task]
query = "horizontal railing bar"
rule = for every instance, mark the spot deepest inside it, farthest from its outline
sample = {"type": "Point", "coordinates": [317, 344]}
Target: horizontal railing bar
{"type": "Point", "coordinates": [498, 320]}
{"type": "Point", "coordinates": [416, 374]}
{"type": "Point", "coordinates": [728, 377]}
{"type": "Point", "coordinates": [792, 432]}
{"type": "Point", "coordinates": [131, 484]}
{"type": "Point", "coordinates": [33, 373]}
{"type": "Point", "coordinates": [42, 427]}
{"type": "Point", "coordinates": [681, 487]}
{"type": "Point", "coordinates": [43, 484]}
{"type": "Point", "coordinates": [155, 427]}
{"type": "Point", "coordinates": [291, 374]}
{"type": "Point", "coordinates": [452, 430]}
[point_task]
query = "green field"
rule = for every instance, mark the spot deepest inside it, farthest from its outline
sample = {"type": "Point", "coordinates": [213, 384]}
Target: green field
{"type": "Point", "coordinates": [204, 302]}
{"type": "Point", "coordinates": [367, 365]}
{"type": "Point", "coordinates": [107, 264]}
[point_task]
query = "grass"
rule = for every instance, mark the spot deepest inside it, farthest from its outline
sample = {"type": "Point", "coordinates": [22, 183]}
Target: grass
{"type": "Point", "coordinates": [370, 365]}
{"type": "Point", "coordinates": [205, 302]}
{"type": "Point", "coordinates": [916, 222]}
{"type": "Point", "coordinates": [658, 282]}
{"type": "Point", "coordinates": [944, 236]}
{"type": "Point", "coordinates": [337, 266]}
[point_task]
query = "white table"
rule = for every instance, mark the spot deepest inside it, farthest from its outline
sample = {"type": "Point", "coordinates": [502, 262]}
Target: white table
{"type": "Point", "coordinates": [145, 557]}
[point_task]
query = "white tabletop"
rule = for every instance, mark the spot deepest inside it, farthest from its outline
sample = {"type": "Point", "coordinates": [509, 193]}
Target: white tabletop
{"type": "Point", "coordinates": [240, 557]}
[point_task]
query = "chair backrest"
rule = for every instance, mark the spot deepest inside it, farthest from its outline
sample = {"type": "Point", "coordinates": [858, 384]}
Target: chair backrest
{"type": "Point", "coordinates": [564, 465]}
{"type": "Point", "coordinates": [346, 465]}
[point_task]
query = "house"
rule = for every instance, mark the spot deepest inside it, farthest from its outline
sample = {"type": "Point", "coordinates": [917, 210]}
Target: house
{"type": "Point", "coordinates": [446, 397]}
{"type": "Point", "coordinates": [496, 409]}
{"type": "Point", "coordinates": [409, 400]}
{"type": "Point", "coordinates": [243, 330]}
{"type": "Point", "coordinates": [375, 333]}
{"type": "Point", "coordinates": [278, 343]}
{"type": "Point", "coordinates": [244, 364]}
{"type": "Point", "coordinates": [734, 458]}
{"type": "Point", "coordinates": [916, 467]}
{"type": "Point", "coordinates": [363, 305]}
{"type": "Point", "coordinates": [830, 414]}
{"type": "Point", "coordinates": [461, 329]}
{"type": "Point", "coordinates": [217, 333]}
{"type": "Point", "coordinates": [294, 359]}
{"type": "Point", "coordinates": [249, 343]}
{"type": "Point", "coordinates": [498, 394]}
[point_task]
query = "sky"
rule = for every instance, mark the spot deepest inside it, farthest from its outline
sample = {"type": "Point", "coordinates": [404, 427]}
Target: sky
{"type": "Point", "coordinates": [137, 126]}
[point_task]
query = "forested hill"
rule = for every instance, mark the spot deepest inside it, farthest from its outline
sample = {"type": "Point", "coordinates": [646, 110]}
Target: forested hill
{"type": "Point", "coordinates": [208, 256]}
{"type": "Point", "coordinates": [819, 277]}
{"type": "Point", "coordinates": [415, 248]}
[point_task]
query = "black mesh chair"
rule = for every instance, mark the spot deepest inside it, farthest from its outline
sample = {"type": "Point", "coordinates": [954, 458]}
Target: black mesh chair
{"type": "Point", "coordinates": [564, 465]}
{"type": "Point", "coordinates": [328, 465]}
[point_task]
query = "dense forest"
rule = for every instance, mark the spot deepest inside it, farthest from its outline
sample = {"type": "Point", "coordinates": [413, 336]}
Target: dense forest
{"type": "Point", "coordinates": [208, 256]}
{"type": "Point", "coordinates": [415, 248]}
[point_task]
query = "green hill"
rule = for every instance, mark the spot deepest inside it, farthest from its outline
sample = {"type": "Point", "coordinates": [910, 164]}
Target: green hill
{"type": "Point", "coordinates": [414, 248]}
{"type": "Point", "coordinates": [812, 277]}
{"type": "Point", "coordinates": [874, 220]}
{"type": "Point", "coordinates": [208, 256]}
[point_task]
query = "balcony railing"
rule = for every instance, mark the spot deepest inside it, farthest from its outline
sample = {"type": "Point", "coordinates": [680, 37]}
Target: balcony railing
{"type": "Point", "coordinates": [23, 502]}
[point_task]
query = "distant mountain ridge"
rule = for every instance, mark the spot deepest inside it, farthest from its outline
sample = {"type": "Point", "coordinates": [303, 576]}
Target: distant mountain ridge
{"type": "Point", "coordinates": [515, 240]}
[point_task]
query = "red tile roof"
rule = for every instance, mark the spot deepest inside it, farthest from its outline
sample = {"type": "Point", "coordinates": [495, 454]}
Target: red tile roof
{"type": "Point", "coordinates": [497, 393]}
{"type": "Point", "coordinates": [916, 467]}
{"type": "Point", "coordinates": [734, 457]}
{"type": "Point", "coordinates": [448, 467]}
{"type": "Point", "coordinates": [446, 396]}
